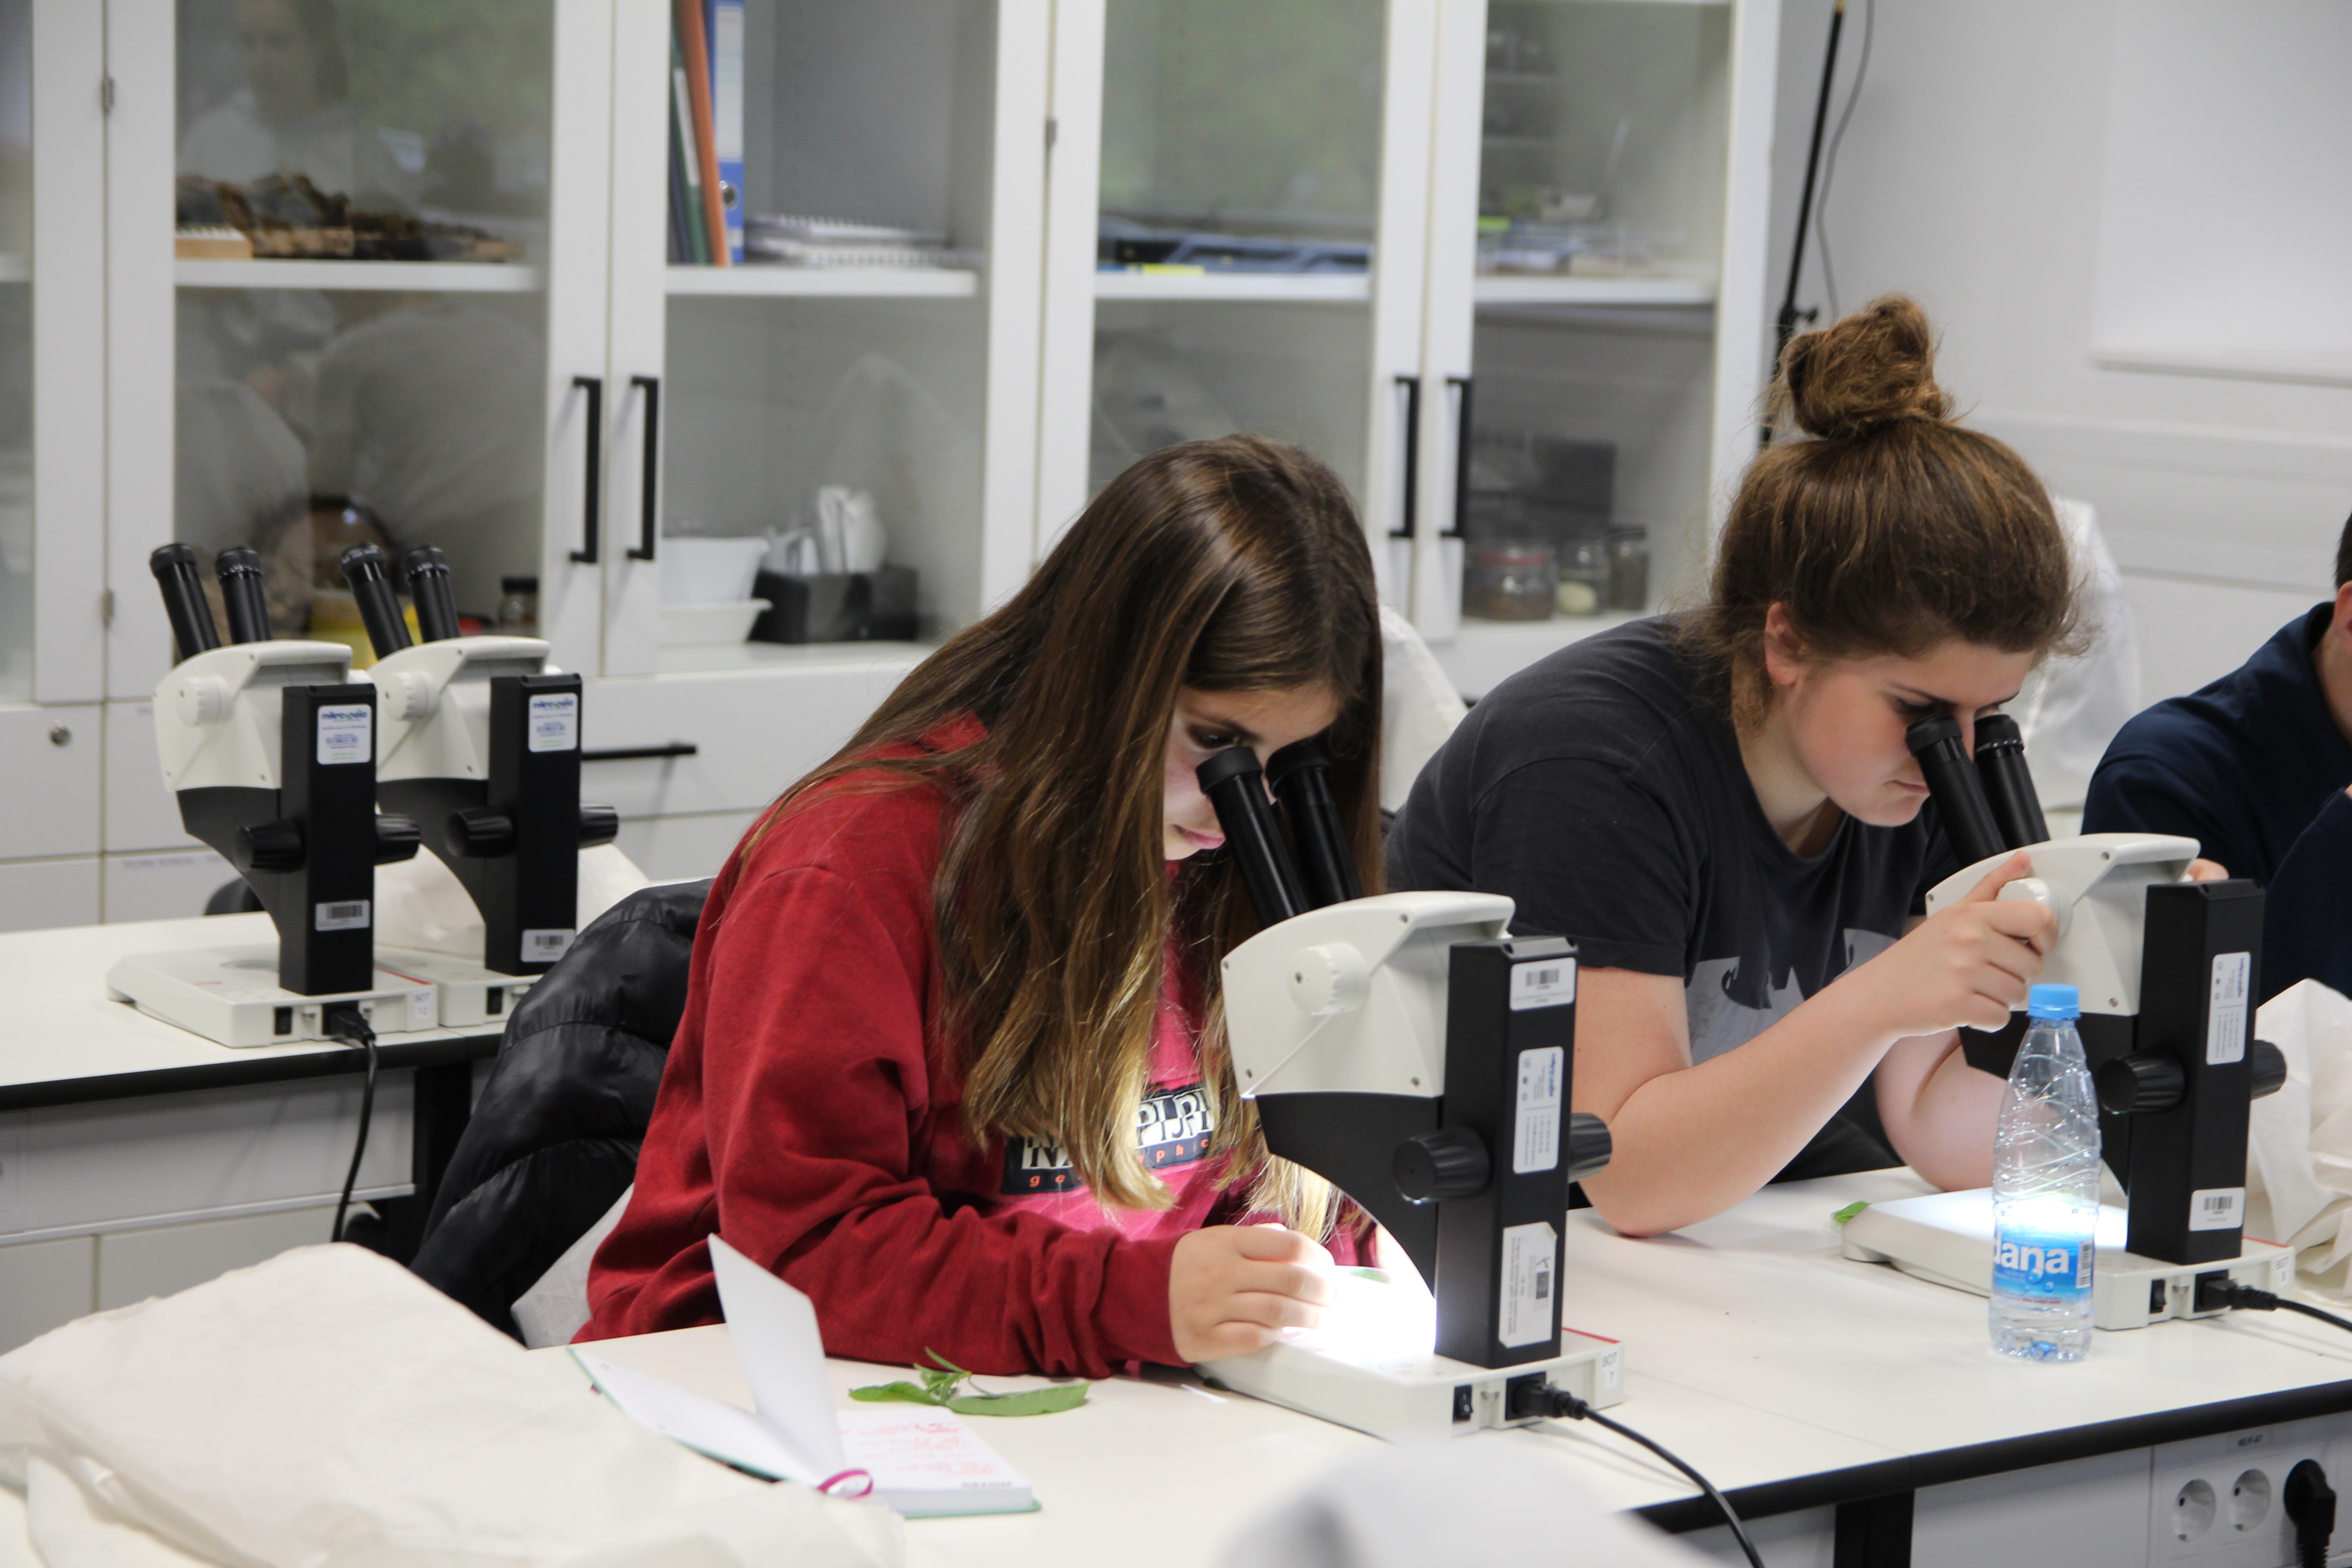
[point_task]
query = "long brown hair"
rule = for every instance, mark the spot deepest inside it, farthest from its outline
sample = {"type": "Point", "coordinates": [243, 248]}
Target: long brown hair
{"type": "Point", "coordinates": [1891, 529]}
{"type": "Point", "coordinates": [1236, 565]}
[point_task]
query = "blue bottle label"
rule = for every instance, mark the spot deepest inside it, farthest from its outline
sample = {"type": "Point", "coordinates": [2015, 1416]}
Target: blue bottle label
{"type": "Point", "coordinates": [2055, 1268]}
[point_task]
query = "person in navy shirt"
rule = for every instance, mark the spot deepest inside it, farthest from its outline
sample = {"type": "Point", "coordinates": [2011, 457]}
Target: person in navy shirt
{"type": "Point", "coordinates": [2257, 768]}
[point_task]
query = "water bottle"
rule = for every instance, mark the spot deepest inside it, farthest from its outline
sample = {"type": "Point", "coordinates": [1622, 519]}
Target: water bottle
{"type": "Point", "coordinates": [2046, 1189]}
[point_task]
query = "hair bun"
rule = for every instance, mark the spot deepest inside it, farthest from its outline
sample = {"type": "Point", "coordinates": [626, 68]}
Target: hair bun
{"type": "Point", "coordinates": [1874, 368]}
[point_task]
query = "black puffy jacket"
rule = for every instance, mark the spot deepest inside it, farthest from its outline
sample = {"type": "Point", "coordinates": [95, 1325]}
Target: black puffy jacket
{"type": "Point", "coordinates": [553, 1139]}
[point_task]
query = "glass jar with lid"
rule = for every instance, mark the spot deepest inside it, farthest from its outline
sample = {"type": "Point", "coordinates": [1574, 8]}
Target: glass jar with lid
{"type": "Point", "coordinates": [1510, 579]}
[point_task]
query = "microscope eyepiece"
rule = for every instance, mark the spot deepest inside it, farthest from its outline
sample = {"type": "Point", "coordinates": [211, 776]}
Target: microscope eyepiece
{"type": "Point", "coordinates": [1300, 774]}
{"type": "Point", "coordinates": [1235, 785]}
{"type": "Point", "coordinates": [430, 592]}
{"type": "Point", "coordinates": [367, 570]}
{"type": "Point", "coordinates": [2007, 783]}
{"type": "Point", "coordinates": [174, 567]}
{"type": "Point", "coordinates": [243, 594]}
{"type": "Point", "coordinates": [1952, 784]}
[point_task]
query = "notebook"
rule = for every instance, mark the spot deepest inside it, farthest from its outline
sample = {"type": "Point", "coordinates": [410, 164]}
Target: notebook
{"type": "Point", "coordinates": [923, 1461]}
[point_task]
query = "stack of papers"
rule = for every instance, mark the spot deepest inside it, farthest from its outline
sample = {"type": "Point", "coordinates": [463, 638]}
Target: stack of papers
{"type": "Point", "coordinates": [922, 1462]}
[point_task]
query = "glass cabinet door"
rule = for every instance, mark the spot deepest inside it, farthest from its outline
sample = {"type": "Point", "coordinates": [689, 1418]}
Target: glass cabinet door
{"type": "Point", "coordinates": [378, 215]}
{"type": "Point", "coordinates": [1257, 240]}
{"type": "Point", "coordinates": [841, 436]}
{"type": "Point", "coordinates": [1576, 462]}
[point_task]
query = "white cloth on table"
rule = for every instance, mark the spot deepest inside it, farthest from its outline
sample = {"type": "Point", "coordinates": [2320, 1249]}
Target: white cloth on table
{"type": "Point", "coordinates": [329, 1406]}
{"type": "Point", "coordinates": [2299, 1139]}
{"type": "Point", "coordinates": [1468, 1503]}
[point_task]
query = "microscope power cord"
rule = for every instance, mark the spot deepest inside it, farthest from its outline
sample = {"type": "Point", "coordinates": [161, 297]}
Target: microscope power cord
{"type": "Point", "coordinates": [1542, 1399]}
{"type": "Point", "coordinates": [2227, 1292]}
{"type": "Point", "coordinates": [344, 1023]}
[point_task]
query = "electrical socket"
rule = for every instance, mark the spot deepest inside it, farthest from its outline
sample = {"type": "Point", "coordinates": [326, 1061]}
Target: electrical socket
{"type": "Point", "coordinates": [2219, 1502]}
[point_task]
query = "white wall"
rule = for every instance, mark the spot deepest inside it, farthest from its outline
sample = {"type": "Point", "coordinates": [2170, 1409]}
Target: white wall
{"type": "Point", "coordinates": [1971, 177]}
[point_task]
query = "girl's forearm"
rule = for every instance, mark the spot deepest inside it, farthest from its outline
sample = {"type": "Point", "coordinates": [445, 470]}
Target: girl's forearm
{"type": "Point", "coordinates": [1691, 1143]}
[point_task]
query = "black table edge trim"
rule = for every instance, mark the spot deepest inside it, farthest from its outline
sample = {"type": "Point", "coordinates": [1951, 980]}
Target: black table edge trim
{"type": "Point", "coordinates": [239, 1070]}
{"type": "Point", "coordinates": [1830, 1487]}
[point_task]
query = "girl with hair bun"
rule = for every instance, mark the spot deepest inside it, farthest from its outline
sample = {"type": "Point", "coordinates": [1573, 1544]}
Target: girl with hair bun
{"type": "Point", "coordinates": [1720, 808]}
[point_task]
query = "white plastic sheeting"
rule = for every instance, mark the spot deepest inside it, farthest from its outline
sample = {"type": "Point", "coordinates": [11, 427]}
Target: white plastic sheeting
{"type": "Point", "coordinates": [328, 1405]}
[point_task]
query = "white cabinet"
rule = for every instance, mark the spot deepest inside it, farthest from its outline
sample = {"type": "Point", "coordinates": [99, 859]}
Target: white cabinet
{"type": "Point", "coordinates": [1148, 219]}
{"type": "Point", "coordinates": [1491, 261]}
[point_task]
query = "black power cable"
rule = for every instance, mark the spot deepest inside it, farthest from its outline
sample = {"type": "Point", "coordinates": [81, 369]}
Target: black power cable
{"type": "Point", "coordinates": [343, 1022]}
{"type": "Point", "coordinates": [2220, 1290]}
{"type": "Point", "coordinates": [1536, 1397]}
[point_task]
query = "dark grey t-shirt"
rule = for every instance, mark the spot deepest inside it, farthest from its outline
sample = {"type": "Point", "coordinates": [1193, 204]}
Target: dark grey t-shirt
{"type": "Point", "coordinates": [1602, 790]}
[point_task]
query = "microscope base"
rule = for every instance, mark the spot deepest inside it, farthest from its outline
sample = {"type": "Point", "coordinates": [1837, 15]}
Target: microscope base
{"type": "Point", "coordinates": [1946, 1237]}
{"type": "Point", "coordinates": [470, 995]}
{"type": "Point", "coordinates": [1415, 1398]}
{"type": "Point", "coordinates": [231, 996]}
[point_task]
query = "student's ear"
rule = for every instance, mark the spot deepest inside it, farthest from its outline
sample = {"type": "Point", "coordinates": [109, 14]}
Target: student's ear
{"type": "Point", "coordinates": [1784, 650]}
{"type": "Point", "coordinates": [2342, 626]}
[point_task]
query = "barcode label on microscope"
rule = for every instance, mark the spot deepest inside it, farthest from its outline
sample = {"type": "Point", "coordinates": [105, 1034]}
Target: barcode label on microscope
{"type": "Point", "coordinates": [2216, 1208]}
{"type": "Point", "coordinates": [1546, 983]}
{"type": "Point", "coordinates": [2225, 1019]}
{"type": "Point", "coordinates": [350, 915]}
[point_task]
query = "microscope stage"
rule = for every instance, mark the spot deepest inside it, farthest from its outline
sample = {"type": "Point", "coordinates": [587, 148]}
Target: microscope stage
{"type": "Point", "coordinates": [231, 996]}
{"type": "Point", "coordinates": [1946, 1237]}
{"type": "Point", "coordinates": [1410, 1398]}
{"type": "Point", "coordinates": [470, 995]}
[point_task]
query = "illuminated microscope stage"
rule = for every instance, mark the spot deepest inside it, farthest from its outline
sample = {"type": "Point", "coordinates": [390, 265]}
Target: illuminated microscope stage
{"type": "Point", "coordinates": [1946, 1237]}
{"type": "Point", "coordinates": [1369, 1367]}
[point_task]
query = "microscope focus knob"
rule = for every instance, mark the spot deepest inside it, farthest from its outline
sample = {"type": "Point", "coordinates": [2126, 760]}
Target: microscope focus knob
{"type": "Point", "coordinates": [2139, 1083]}
{"type": "Point", "coordinates": [396, 838]}
{"type": "Point", "coordinates": [271, 846]}
{"type": "Point", "coordinates": [598, 824]}
{"type": "Point", "coordinates": [203, 700]}
{"type": "Point", "coordinates": [2269, 1063]}
{"type": "Point", "coordinates": [1440, 1166]}
{"type": "Point", "coordinates": [480, 833]}
{"type": "Point", "coordinates": [1589, 1145]}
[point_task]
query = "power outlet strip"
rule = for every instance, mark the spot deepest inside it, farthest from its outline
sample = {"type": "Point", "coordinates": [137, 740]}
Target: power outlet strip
{"type": "Point", "coordinates": [2219, 1502]}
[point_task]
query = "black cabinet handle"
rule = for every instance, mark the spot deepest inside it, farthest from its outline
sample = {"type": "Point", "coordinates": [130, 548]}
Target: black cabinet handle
{"type": "Point", "coordinates": [649, 522]}
{"type": "Point", "coordinates": [1461, 459]}
{"type": "Point", "coordinates": [640, 754]}
{"type": "Point", "coordinates": [593, 385]}
{"type": "Point", "coordinates": [1409, 522]}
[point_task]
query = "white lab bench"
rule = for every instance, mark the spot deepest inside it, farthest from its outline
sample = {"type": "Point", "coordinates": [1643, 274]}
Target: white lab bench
{"type": "Point", "coordinates": [137, 1159]}
{"type": "Point", "coordinates": [1854, 1416]}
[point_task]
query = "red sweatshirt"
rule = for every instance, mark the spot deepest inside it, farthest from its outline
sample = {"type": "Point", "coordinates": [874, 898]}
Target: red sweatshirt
{"type": "Point", "coordinates": [810, 1111]}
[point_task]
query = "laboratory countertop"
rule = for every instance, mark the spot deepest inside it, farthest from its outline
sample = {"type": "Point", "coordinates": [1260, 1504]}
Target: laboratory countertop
{"type": "Point", "coordinates": [62, 1042]}
{"type": "Point", "coordinates": [1789, 1376]}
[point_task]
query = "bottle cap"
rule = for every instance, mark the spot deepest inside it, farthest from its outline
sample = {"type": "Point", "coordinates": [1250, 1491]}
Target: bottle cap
{"type": "Point", "coordinates": [2053, 1002]}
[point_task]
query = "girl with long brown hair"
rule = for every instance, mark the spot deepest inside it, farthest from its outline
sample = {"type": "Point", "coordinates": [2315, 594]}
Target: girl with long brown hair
{"type": "Point", "coordinates": [953, 1057]}
{"type": "Point", "coordinates": [1721, 809]}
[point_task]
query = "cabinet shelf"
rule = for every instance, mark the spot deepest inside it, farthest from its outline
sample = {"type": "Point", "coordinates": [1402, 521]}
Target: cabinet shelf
{"type": "Point", "coordinates": [1325, 287]}
{"type": "Point", "coordinates": [450, 276]}
{"type": "Point", "coordinates": [1504, 290]}
{"type": "Point", "coordinates": [886, 660]}
{"type": "Point", "coordinates": [831, 282]}
{"type": "Point", "coordinates": [1485, 654]}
